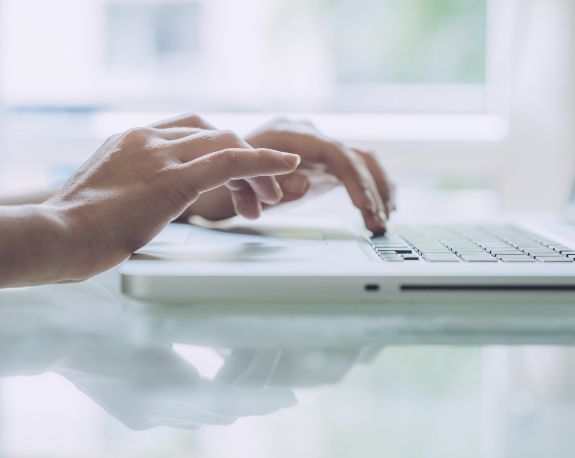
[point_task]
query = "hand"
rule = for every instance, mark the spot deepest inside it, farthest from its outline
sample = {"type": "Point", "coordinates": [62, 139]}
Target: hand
{"type": "Point", "coordinates": [324, 159]}
{"type": "Point", "coordinates": [139, 181]}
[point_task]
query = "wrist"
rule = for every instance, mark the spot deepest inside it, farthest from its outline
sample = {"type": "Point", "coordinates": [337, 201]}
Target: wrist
{"type": "Point", "coordinates": [74, 237]}
{"type": "Point", "coordinates": [36, 245]}
{"type": "Point", "coordinates": [62, 242]}
{"type": "Point", "coordinates": [57, 240]}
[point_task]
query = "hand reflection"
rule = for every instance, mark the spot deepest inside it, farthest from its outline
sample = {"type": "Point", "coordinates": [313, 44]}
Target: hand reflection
{"type": "Point", "coordinates": [123, 358]}
{"type": "Point", "coordinates": [289, 367]}
{"type": "Point", "coordinates": [144, 387]}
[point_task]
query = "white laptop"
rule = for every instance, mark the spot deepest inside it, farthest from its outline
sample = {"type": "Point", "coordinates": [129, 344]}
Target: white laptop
{"type": "Point", "coordinates": [327, 258]}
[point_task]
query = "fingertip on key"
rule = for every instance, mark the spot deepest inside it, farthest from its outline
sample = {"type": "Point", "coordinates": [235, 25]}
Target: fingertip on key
{"type": "Point", "coordinates": [379, 231]}
{"type": "Point", "coordinates": [375, 224]}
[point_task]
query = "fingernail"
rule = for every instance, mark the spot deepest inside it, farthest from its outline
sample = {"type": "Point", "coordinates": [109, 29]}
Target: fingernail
{"type": "Point", "coordinates": [296, 184]}
{"type": "Point", "coordinates": [371, 206]}
{"type": "Point", "coordinates": [291, 160]}
{"type": "Point", "coordinates": [382, 217]}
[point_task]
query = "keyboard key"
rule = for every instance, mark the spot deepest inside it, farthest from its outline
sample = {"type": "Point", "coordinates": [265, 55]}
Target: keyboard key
{"type": "Point", "coordinates": [549, 254]}
{"type": "Point", "coordinates": [558, 247]}
{"type": "Point", "coordinates": [554, 259]}
{"type": "Point", "coordinates": [408, 257]}
{"type": "Point", "coordinates": [395, 251]}
{"type": "Point", "coordinates": [392, 258]}
{"type": "Point", "coordinates": [432, 249]}
{"type": "Point", "coordinates": [548, 257]}
{"type": "Point", "coordinates": [506, 252]}
{"type": "Point", "coordinates": [516, 259]}
{"type": "Point", "coordinates": [438, 257]}
{"type": "Point", "coordinates": [478, 258]}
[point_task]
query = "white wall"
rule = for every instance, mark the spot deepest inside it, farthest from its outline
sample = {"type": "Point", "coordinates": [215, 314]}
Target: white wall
{"type": "Point", "coordinates": [534, 167]}
{"type": "Point", "coordinates": [540, 152]}
{"type": "Point", "coordinates": [37, 62]}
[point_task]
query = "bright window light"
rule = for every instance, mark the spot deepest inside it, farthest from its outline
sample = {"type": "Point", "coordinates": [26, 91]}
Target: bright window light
{"type": "Point", "coordinates": [334, 56]}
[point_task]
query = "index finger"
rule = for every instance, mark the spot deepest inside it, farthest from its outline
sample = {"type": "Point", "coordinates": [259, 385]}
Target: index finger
{"type": "Point", "coordinates": [200, 143]}
{"type": "Point", "coordinates": [216, 169]}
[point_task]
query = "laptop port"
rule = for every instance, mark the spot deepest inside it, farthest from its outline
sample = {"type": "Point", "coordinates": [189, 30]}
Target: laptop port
{"type": "Point", "coordinates": [372, 287]}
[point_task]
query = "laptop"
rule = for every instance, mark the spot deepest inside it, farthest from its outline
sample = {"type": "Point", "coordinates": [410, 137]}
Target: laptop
{"type": "Point", "coordinates": [326, 257]}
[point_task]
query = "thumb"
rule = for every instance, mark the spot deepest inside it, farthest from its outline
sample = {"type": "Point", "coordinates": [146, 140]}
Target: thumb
{"type": "Point", "coordinates": [216, 169]}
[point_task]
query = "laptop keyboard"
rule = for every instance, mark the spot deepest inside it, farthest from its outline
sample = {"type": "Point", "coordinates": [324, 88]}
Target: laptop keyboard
{"type": "Point", "coordinates": [470, 243]}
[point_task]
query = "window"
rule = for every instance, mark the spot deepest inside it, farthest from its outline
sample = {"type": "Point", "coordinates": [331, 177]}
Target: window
{"type": "Point", "coordinates": [248, 55]}
{"type": "Point", "coordinates": [152, 36]}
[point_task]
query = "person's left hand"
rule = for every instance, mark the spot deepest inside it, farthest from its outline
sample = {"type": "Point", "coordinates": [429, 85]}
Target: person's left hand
{"type": "Point", "coordinates": [323, 157]}
{"type": "Point", "coordinates": [325, 163]}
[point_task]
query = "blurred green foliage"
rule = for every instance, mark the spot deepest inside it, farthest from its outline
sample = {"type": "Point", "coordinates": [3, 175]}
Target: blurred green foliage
{"type": "Point", "coordinates": [401, 41]}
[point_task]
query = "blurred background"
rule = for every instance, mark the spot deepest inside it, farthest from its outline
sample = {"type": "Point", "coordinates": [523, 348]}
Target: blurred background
{"type": "Point", "coordinates": [472, 94]}
{"type": "Point", "coordinates": [458, 97]}
{"type": "Point", "coordinates": [249, 55]}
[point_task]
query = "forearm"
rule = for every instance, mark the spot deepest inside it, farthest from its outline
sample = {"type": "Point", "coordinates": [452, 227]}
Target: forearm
{"type": "Point", "coordinates": [35, 246]}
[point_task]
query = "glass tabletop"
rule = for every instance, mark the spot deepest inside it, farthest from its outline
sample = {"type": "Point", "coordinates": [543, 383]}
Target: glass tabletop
{"type": "Point", "coordinates": [88, 372]}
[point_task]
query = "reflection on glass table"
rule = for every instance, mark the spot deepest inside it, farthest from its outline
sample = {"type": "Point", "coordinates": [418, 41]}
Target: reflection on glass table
{"type": "Point", "coordinates": [302, 385]}
{"type": "Point", "coordinates": [142, 378]}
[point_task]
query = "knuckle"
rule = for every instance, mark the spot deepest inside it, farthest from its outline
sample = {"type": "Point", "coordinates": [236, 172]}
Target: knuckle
{"type": "Point", "coordinates": [229, 137]}
{"type": "Point", "coordinates": [194, 119]}
{"type": "Point", "coordinates": [136, 135]}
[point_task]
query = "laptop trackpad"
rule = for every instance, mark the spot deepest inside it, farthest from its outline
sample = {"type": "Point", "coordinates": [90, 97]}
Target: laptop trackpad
{"type": "Point", "coordinates": [250, 244]}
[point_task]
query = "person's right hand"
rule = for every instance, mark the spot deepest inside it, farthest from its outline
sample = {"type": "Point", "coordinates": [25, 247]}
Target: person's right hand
{"type": "Point", "coordinates": [141, 180]}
